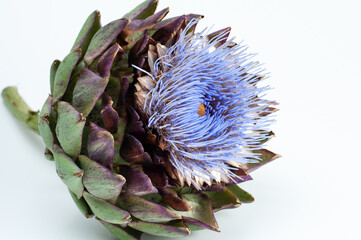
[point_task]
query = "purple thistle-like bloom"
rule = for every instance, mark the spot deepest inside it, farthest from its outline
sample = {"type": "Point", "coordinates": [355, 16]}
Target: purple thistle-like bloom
{"type": "Point", "coordinates": [206, 106]}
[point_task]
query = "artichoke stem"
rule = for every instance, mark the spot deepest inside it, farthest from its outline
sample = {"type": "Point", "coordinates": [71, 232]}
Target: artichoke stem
{"type": "Point", "coordinates": [18, 107]}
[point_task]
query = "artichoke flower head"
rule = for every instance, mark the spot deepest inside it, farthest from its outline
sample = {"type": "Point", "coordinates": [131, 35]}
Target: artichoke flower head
{"type": "Point", "coordinates": [202, 99]}
{"type": "Point", "coordinates": [152, 124]}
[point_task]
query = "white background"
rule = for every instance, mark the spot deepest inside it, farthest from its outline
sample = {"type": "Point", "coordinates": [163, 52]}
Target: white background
{"type": "Point", "coordinates": [312, 49]}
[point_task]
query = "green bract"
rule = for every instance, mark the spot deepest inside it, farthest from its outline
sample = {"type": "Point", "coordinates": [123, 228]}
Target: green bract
{"type": "Point", "coordinates": [93, 127]}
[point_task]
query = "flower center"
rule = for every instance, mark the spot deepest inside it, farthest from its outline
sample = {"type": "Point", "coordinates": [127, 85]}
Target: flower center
{"type": "Point", "coordinates": [201, 110]}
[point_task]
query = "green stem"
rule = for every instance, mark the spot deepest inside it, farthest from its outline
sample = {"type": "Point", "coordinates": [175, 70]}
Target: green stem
{"type": "Point", "coordinates": [18, 107]}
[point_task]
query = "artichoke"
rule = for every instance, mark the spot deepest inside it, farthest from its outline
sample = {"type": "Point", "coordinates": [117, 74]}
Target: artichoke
{"type": "Point", "coordinates": [152, 125]}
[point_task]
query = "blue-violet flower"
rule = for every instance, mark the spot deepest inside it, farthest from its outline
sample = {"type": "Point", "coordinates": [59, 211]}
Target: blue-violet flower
{"type": "Point", "coordinates": [202, 99]}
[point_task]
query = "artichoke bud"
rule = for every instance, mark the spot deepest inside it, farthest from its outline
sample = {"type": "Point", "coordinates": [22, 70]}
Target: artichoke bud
{"type": "Point", "coordinates": [152, 125]}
